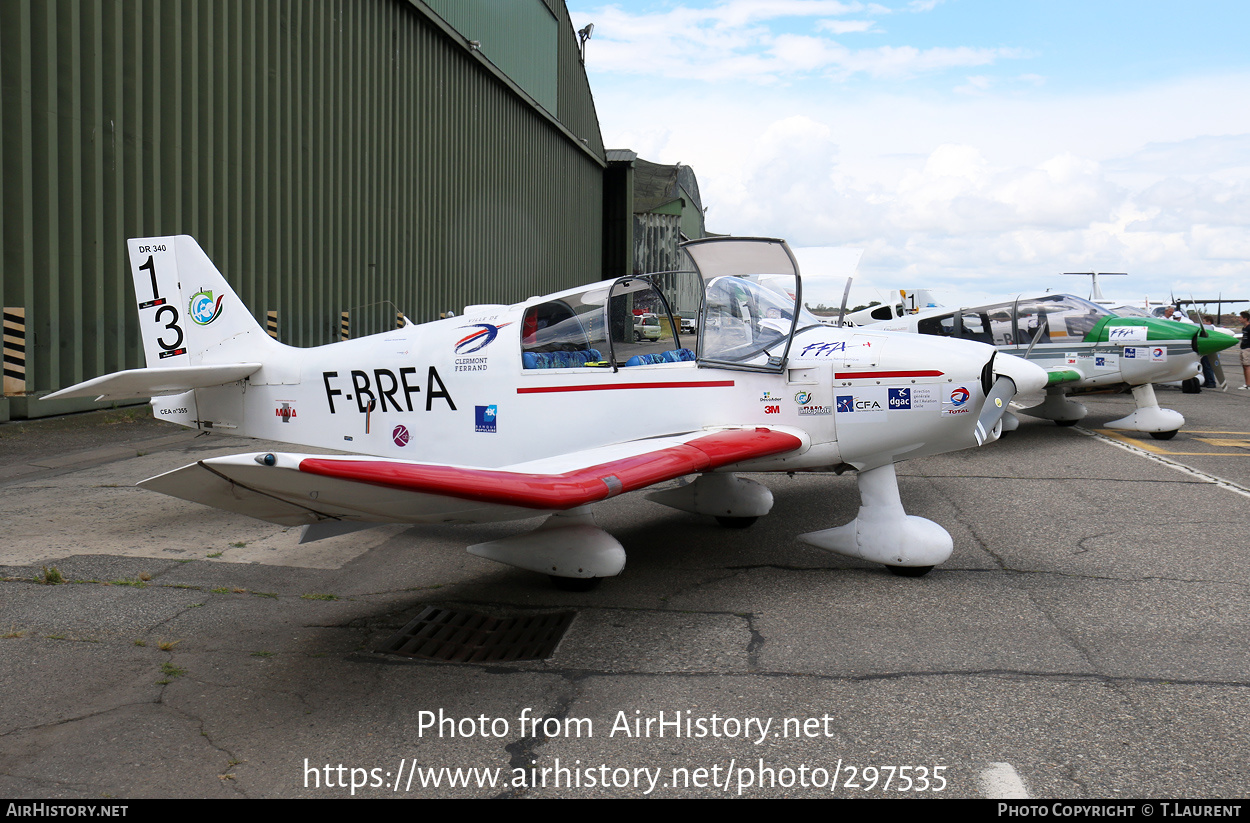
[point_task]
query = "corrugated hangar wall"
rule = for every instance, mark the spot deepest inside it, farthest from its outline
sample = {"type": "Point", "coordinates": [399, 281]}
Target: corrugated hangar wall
{"type": "Point", "coordinates": [327, 154]}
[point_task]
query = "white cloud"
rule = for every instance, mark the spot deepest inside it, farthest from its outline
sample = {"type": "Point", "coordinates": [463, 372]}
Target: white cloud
{"type": "Point", "coordinates": [733, 41]}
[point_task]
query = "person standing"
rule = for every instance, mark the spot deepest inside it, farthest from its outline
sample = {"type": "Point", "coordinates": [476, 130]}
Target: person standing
{"type": "Point", "coordinates": [1245, 348]}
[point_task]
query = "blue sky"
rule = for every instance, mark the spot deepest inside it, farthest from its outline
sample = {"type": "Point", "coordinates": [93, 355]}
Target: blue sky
{"type": "Point", "coordinates": [966, 145]}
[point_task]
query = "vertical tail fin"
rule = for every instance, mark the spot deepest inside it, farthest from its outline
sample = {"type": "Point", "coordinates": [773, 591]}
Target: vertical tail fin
{"type": "Point", "coordinates": [186, 308]}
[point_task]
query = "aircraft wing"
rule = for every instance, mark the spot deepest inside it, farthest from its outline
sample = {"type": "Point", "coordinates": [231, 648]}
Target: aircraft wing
{"type": "Point", "coordinates": [1058, 375]}
{"type": "Point", "coordinates": [304, 489]}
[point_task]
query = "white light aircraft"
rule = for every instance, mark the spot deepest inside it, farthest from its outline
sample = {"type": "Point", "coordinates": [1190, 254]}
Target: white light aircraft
{"type": "Point", "coordinates": [1082, 346]}
{"type": "Point", "coordinates": [550, 405]}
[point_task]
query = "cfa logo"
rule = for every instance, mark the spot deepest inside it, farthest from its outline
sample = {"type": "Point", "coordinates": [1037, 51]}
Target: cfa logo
{"type": "Point", "coordinates": [854, 404]}
{"type": "Point", "coordinates": [959, 396]}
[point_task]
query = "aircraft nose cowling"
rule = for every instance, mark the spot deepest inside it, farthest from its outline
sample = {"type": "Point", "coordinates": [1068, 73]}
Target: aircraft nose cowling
{"type": "Point", "coordinates": [1028, 377]}
{"type": "Point", "coordinates": [1214, 341]}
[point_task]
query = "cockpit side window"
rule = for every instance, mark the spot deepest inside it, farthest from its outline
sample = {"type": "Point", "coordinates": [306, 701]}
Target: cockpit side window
{"type": "Point", "coordinates": [558, 334]}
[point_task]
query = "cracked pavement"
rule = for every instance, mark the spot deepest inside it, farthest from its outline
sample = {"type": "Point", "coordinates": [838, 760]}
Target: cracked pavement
{"type": "Point", "coordinates": [1091, 629]}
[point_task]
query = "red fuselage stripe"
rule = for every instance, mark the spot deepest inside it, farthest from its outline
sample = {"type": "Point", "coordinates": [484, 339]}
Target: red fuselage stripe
{"type": "Point", "coordinates": [562, 491]}
{"type": "Point", "coordinates": [856, 375]}
{"type": "Point", "coordinates": [706, 384]}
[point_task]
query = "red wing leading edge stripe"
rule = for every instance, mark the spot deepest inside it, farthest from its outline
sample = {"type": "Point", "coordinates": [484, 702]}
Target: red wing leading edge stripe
{"type": "Point", "coordinates": [568, 490]}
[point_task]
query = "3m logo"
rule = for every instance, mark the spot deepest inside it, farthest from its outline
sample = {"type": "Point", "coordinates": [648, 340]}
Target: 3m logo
{"type": "Point", "coordinates": [772, 409]}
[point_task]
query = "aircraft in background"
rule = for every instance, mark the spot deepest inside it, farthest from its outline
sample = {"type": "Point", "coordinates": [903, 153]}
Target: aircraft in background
{"type": "Point", "coordinates": [550, 405]}
{"type": "Point", "coordinates": [1082, 346]}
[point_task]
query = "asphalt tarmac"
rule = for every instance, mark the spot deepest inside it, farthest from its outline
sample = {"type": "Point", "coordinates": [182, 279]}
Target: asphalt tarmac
{"type": "Point", "coordinates": [1088, 639]}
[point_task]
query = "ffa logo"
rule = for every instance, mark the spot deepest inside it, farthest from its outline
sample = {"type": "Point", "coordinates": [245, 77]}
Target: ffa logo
{"type": "Point", "coordinates": [202, 308]}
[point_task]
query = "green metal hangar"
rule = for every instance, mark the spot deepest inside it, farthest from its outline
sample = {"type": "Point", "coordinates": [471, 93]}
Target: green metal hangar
{"type": "Point", "coordinates": [329, 155]}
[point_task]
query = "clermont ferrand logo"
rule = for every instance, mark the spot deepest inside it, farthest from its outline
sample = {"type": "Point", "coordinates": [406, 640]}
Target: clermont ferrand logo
{"type": "Point", "coordinates": [482, 336]}
{"type": "Point", "coordinates": [202, 308]}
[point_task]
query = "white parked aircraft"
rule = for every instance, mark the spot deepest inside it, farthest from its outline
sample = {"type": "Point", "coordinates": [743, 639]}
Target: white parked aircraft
{"type": "Point", "coordinates": [550, 405]}
{"type": "Point", "coordinates": [1082, 346]}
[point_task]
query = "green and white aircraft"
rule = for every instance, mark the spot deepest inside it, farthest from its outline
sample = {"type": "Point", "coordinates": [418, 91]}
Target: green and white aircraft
{"type": "Point", "coordinates": [1082, 347]}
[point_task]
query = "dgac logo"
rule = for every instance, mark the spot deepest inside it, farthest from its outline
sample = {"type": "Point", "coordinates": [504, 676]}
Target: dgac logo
{"type": "Point", "coordinates": [202, 308]}
{"type": "Point", "coordinates": [478, 340]}
{"type": "Point", "coordinates": [286, 412]}
{"type": "Point", "coordinates": [900, 398]}
{"type": "Point", "coordinates": [400, 436]}
{"type": "Point", "coordinates": [959, 396]}
{"type": "Point", "coordinates": [1130, 354]}
{"type": "Point", "coordinates": [803, 397]}
{"type": "Point", "coordinates": [772, 410]}
{"type": "Point", "coordinates": [484, 418]}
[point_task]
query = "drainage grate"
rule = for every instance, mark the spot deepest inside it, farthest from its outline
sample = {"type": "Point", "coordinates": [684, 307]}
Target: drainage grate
{"type": "Point", "coordinates": [469, 637]}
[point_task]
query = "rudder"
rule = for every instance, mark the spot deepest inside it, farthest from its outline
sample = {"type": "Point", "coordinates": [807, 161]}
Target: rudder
{"type": "Point", "coordinates": [185, 305]}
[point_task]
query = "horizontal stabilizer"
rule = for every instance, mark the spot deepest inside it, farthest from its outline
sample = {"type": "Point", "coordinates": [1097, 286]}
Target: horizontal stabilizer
{"type": "Point", "coordinates": [134, 383]}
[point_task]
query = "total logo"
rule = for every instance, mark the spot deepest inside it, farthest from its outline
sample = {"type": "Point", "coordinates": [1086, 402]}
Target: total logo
{"type": "Point", "coordinates": [482, 336]}
{"type": "Point", "coordinates": [203, 309]}
{"type": "Point", "coordinates": [959, 396]}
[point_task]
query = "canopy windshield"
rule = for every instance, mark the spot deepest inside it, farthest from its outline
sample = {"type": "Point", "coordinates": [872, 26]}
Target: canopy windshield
{"type": "Point", "coordinates": [752, 301]}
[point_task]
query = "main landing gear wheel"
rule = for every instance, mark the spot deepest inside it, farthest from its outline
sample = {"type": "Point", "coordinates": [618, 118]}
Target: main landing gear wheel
{"type": "Point", "coordinates": [1066, 422]}
{"type": "Point", "coordinates": [736, 522]}
{"type": "Point", "coordinates": [1164, 435]}
{"type": "Point", "coordinates": [909, 571]}
{"type": "Point", "coordinates": [574, 584]}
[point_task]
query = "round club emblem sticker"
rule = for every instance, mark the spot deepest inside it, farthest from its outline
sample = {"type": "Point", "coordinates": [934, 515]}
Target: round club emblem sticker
{"type": "Point", "coordinates": [400, 436]}
{"type": "Point", "coordinates": [204, 309]}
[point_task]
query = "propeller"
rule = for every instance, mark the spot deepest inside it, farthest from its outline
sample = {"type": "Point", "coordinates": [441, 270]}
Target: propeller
{"type": "Point", "coordinates": [995, 406]}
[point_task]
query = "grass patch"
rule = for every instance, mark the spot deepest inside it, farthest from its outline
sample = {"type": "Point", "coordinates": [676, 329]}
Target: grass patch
{"type": "Point", "coordinates": [318, 596]}
{"type": "Point", "coordinates": [238, 545]}
{"type": "Point", "coordinates": [215, 554]}
{"type": "Point", "coordinates": [167, 645]}
{"type": "Point", "coordinates": [57, 637]}
{"type": "Point", "coordinates": [220, 590]}
{"type": "Point", "coordinates": [134, 584]}
{"type": "Point", "coordinates": [183, 585]}
{"type": "Point", "coordinates": [51, 576]}
{"type": "Point", "coordinates": [171, 672]}
{"type": "Point", "coordinates": [13, 632]}
{"type": "Point", "coordinates": [141, 643]}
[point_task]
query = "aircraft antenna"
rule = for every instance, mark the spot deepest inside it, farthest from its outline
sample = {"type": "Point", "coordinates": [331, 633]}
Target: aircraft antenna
{"type": "Point", "coordinates": [845, 293]}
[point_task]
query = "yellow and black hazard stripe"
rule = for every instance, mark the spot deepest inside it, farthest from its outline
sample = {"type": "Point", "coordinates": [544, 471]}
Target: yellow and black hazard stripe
{"type": "Point", "coordinates": [271, 323]}
{"type": "Point", "coordinates": [345, 326]}
{"type": "Point", "coordinates": [14, 350]}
